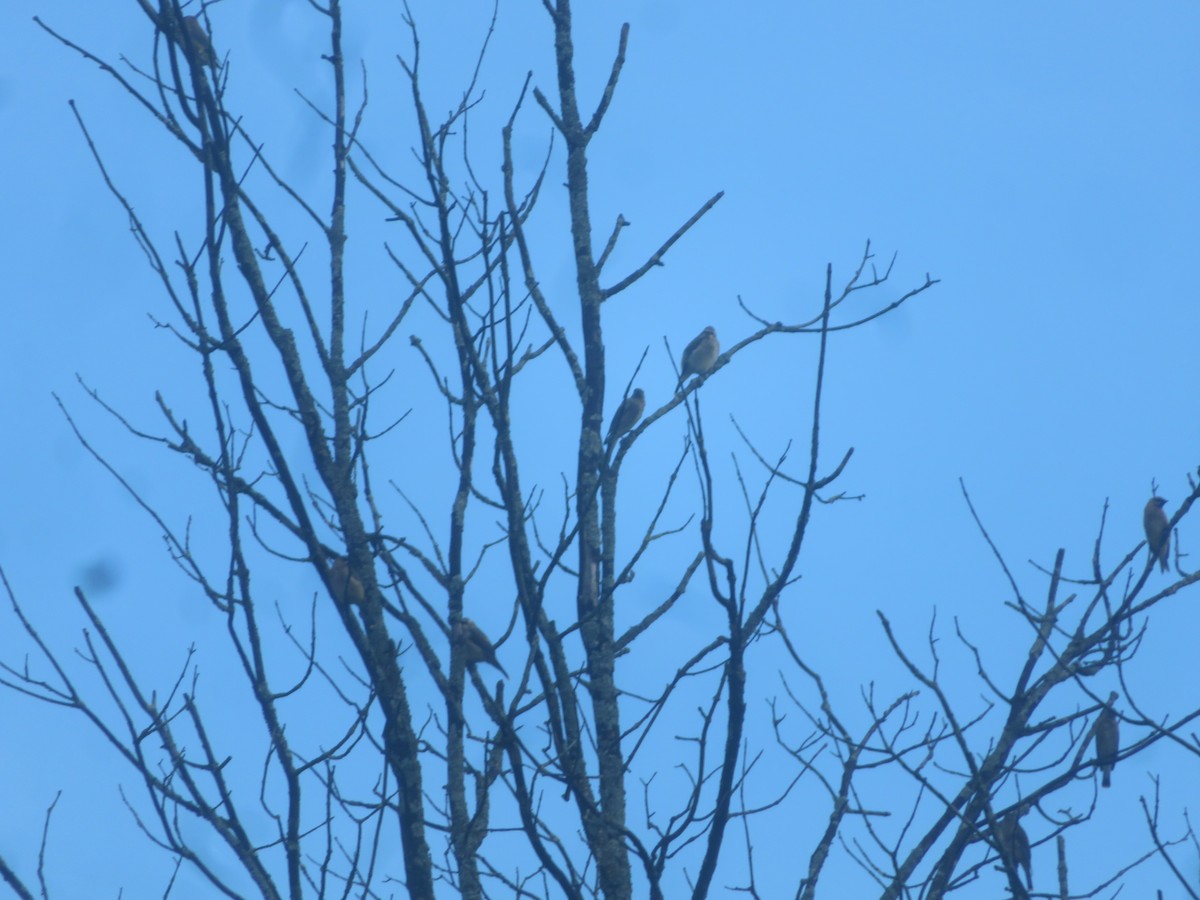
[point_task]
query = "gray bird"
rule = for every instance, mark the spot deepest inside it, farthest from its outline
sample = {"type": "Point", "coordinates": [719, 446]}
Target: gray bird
{"type": "Point", "coordinates": [199, 38]}
{"type": "Point", "coordinates": [1158, 532]}
{"type": "Point", "coordinates": [345, 586]}
{"type": "Point", "coordinates": [1016, 845]}
{"type": "Point", "coordinates": [627, 414]}
{"type": "Point", "coordinates": [1107, 740]}
{"type": "Point", "coordinates": [699, 355]}
{"type": "Point", "coordinates": [476, 647]}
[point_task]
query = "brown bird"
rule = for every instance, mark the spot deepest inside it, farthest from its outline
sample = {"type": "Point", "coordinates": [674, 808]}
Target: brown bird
{"type": "Point", "coordinates": [1107, 740]}
{"type": "Point", "coordinates": [627, 414]}
{"type": "Point", "coordinates": [1016, 845]}
{"type": "Point", "coordinates": [476, 647]}
{"type": "Point", "coordinates": [699, 355]}
{"type": "Point", "coordinates": [201, 43]}
{"type": "Point", "coordinates": [345, 585]}
{"type": "Point", "coordinates": [1158, 533]}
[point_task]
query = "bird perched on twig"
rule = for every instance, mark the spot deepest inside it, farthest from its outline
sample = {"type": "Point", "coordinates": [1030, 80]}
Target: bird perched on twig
{"type": "Point", "coordinates": [201, 43]}
{"type": "Point", "coordinates": [476, 647]}
{"type": "Point", "coordinates": [1107, 740]}
{"type": "Point", "coordinates": [699, 355]}
{"type": "Point", "coordinates": [1016, 845]}
{"type": "Point", "coordinates": [1158, 531]}
{"type": "Point", "coordinates": [627, 414]}
{"type": "Point", "coordinates": [345, 585]}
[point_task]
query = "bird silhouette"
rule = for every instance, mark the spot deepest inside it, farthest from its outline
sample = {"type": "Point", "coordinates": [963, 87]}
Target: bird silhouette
{"type": "Point", "coordinates": [201, 43]}
{"type": "Point", "coordinates": [345, 585]}
{"type": "Point", "coordinates": [1107, 740]}
{"type": "Point", "coordinates": [1158, 531]}
{"type": "Point", "coordinates": [1016, 844]}
{"type": "Point", "coordinates": [476, 647]}
{"type": "Point", "coordinates": [627, 414]}
{"type": "Point", "coordinates": [699, 355]}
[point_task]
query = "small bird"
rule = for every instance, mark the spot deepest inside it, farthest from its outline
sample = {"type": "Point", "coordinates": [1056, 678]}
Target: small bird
{"type": "Point", "coordinates": [200, 40]}
{"type": "Point", "coordinates": [1107, 740]}
{"type": "Point", "coordinates": [699, 355]}
{"type": "Point", "coordinates": [345, 585]}
{"type": "Point", "coordinates": [1016, 845]}
{"type": "Point", "coordinates": [1158, 534]}
{"type": "Point", "coordinates": [627, 414]}
{"type": "Point", "coordinates": [476, 647]}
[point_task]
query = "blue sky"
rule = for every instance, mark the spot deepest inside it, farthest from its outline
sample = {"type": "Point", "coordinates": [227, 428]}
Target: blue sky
{"type": "Point", "coordinates": [1039, 159]}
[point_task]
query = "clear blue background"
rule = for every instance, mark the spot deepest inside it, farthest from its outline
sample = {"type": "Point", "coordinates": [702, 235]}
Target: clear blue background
{"type": "Point", "coordinates": [1040, 159]}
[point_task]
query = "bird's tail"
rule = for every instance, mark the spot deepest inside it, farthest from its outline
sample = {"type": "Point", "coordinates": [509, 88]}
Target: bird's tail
{"type": "Point", "coordinates": [1106, 781]}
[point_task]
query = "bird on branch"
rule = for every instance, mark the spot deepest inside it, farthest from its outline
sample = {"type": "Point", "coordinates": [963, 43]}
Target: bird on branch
{"type": "Point", "coordinates": [627, 414]}
{"type": "Point", "coordinates": [345, 585]}
{"type": "Point", "coordinates": [200, 41]}
{"type": "Point", "coordinates": [476, 647]}
{"type": "Point", "coordinates": [699, 356]}
{"type": "Point", "coordinates": [1107, 740]}
{"type": "Point", "coordinates": [1158, 531]}
{"type": "Point", "coordinates": [1016, 845]}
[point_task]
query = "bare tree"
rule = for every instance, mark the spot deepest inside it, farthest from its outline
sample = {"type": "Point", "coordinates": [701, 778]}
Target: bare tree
{"type": "Point", "coordinates": [479, 735]}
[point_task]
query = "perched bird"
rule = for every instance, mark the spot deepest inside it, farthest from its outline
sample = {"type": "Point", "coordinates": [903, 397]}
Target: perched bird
{"type": "Point", "coordinates": [1107, 740]}
{"type": "Point", "coordinates": [699, 355]}
{"type": "Point", "coordinates": [476, 647]}
{"type": "Point", "coordinates": [345, 586]}
{"type": "Point", "coordinates": [201, 43]}
{"type": "Point", "coordinates": [1158, 533]}
{"type": "Point", "coordinates": [1016, 845]}
{"type": "Point", "coordinates": [627, 414]}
